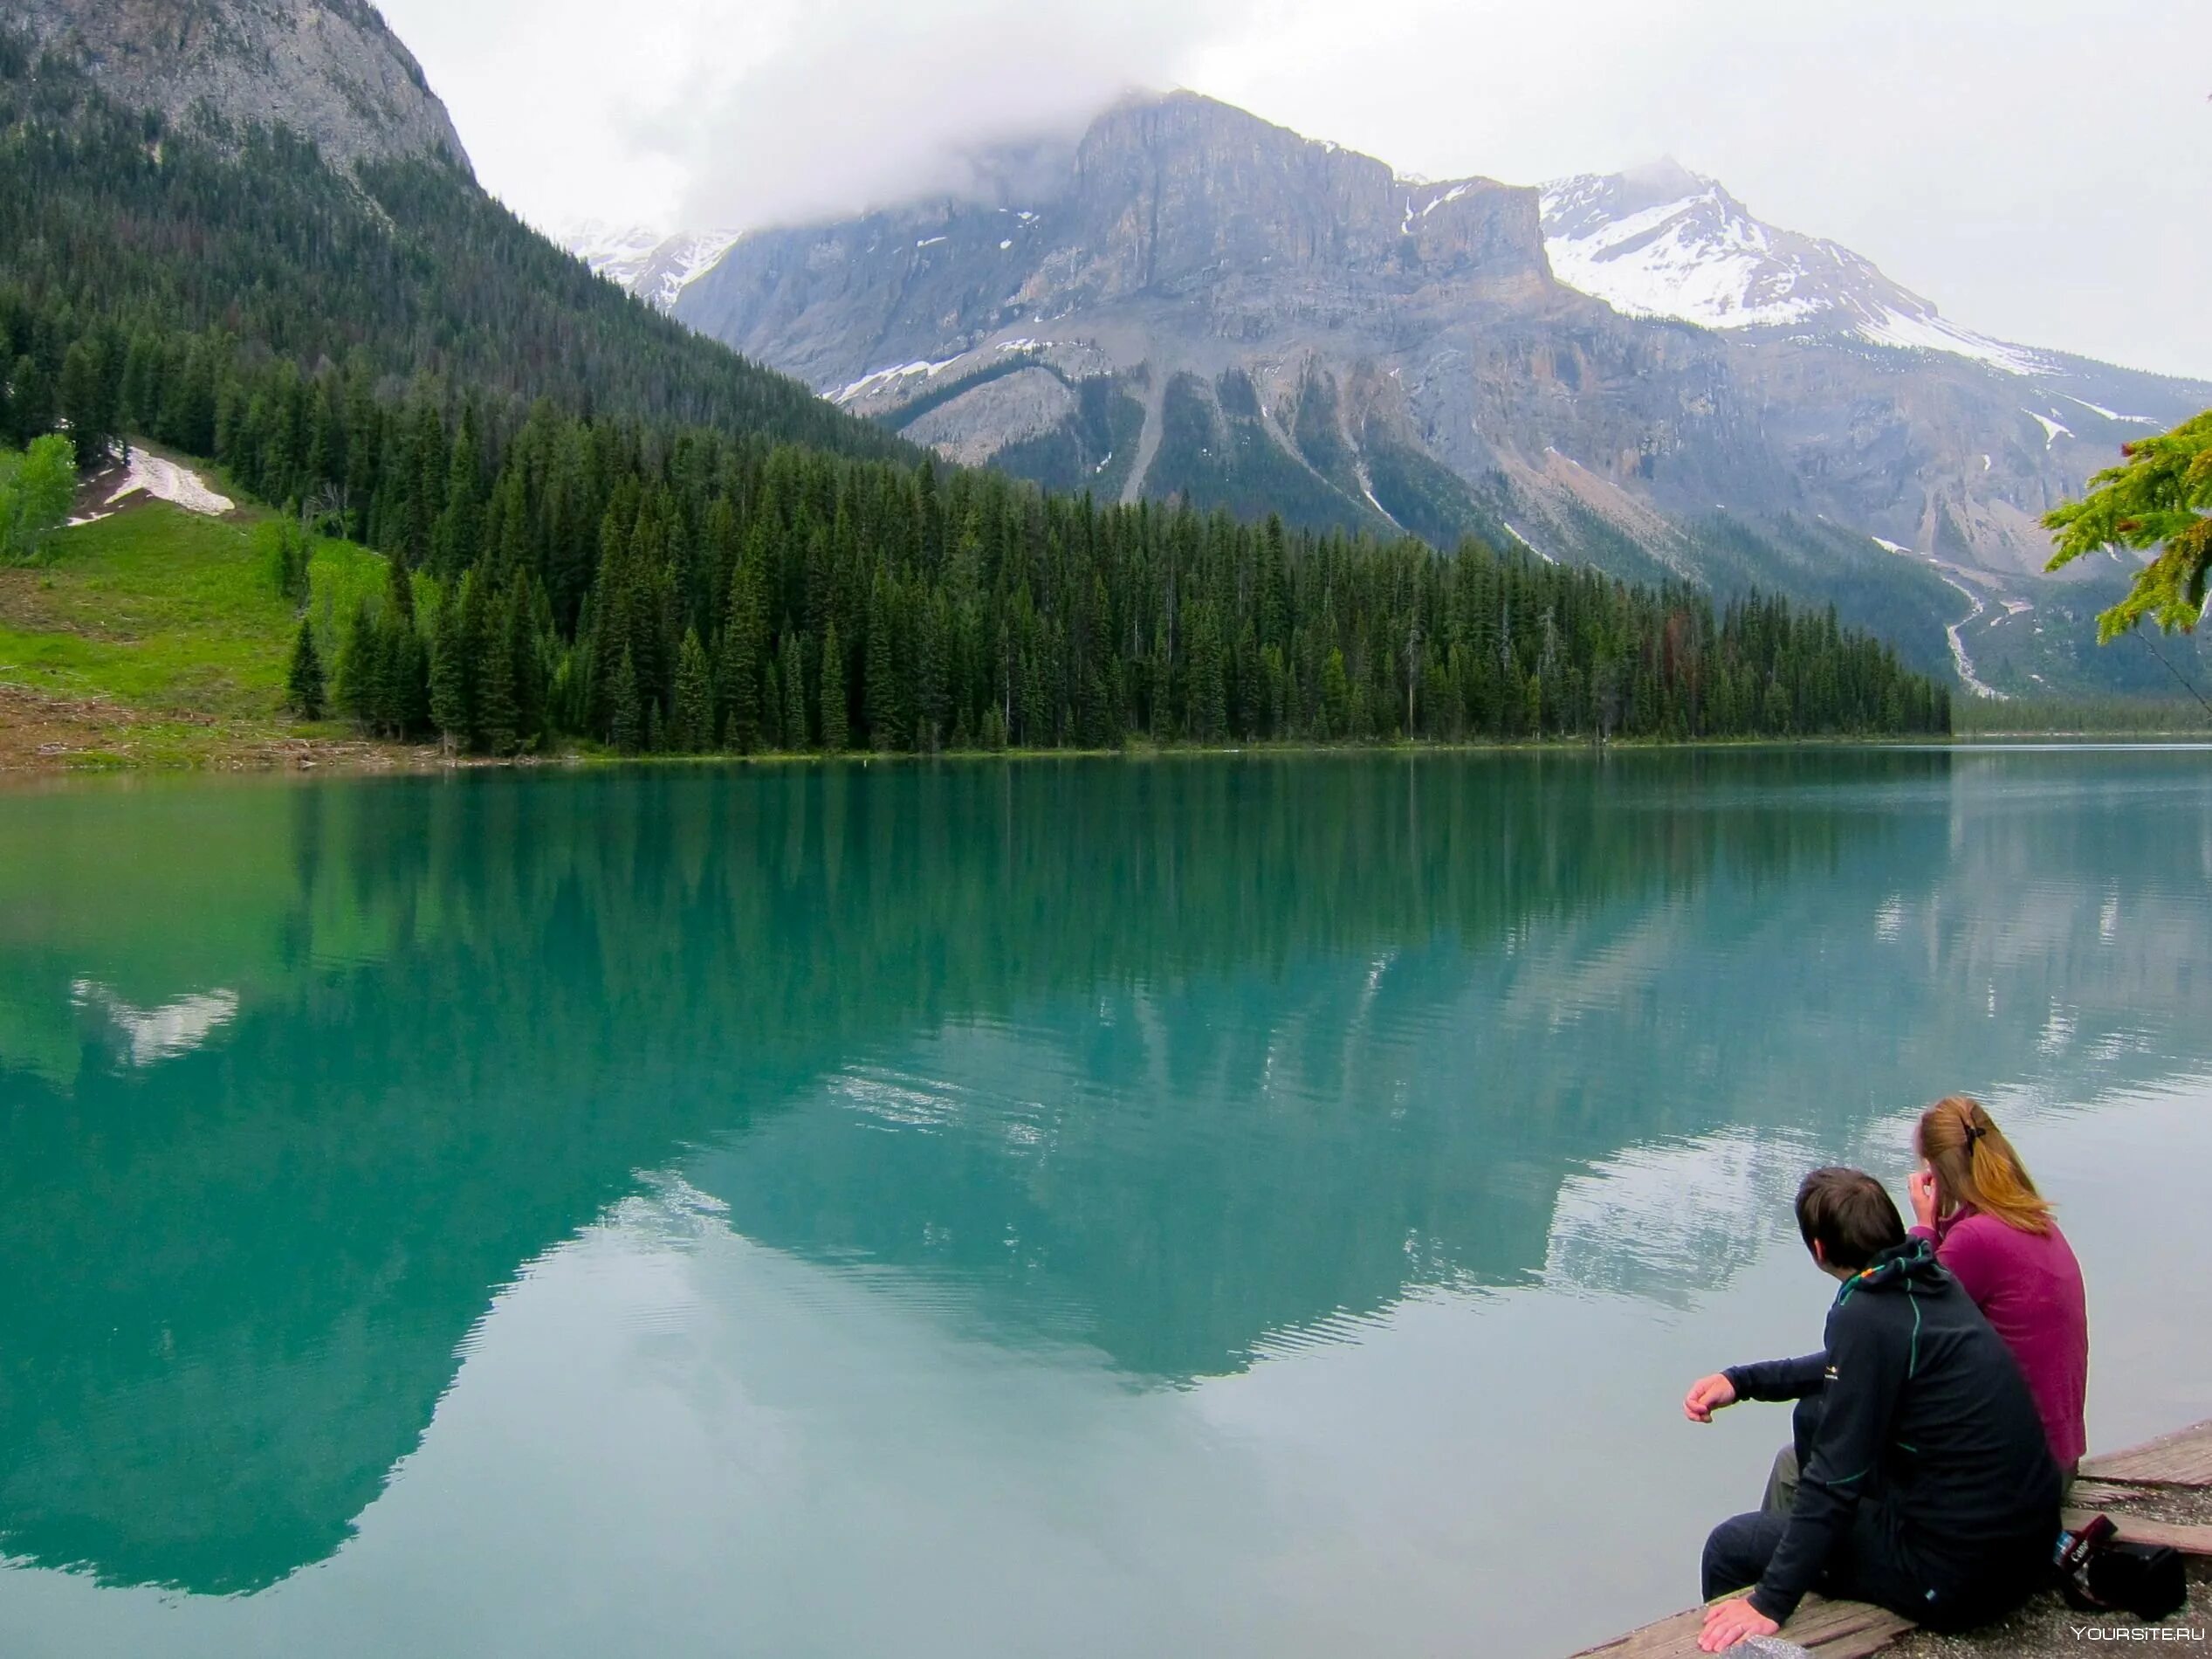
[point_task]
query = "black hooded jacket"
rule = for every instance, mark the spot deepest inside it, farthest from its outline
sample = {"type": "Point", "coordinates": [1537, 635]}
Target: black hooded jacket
{"type": "Point", "coordinates": [1924, 1411]}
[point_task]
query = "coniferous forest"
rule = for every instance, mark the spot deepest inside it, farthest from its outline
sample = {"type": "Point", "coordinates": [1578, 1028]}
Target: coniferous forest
{"type": "Point", "coordinates": [601, 526]}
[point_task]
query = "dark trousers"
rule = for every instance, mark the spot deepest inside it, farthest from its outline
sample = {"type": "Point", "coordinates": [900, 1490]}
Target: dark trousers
{"type": "Point", "coordinates": [1873, 1564]}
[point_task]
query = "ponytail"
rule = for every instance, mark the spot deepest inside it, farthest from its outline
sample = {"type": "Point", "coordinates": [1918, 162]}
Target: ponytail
{"type": "Point", "coordinates": [1975, 1167]}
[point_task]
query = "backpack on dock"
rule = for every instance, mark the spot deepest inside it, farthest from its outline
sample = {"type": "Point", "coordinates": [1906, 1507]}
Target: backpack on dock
{"type": "Point", "coordinates": [2100, 1572]}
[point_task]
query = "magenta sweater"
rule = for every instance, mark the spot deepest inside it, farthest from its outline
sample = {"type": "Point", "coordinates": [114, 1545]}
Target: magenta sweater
{"type": "Point", "coordinates": [2028, 1286]}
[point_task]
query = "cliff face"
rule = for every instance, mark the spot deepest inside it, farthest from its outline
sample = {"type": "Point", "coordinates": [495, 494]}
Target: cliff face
{"type": "Point", "coordinates": [331, 70]}
{"type": "Point", "coordinates": [1244, 231]}
{"type": "Point", "coordinates": [1175, 195]}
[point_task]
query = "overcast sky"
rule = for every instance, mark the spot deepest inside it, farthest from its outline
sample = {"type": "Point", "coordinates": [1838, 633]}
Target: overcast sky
{"type": "Point", "coordinates": [2034, 167]}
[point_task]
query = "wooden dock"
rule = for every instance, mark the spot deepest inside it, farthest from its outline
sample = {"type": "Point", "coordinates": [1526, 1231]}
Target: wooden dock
{"type": "Point", "coordinates": [2109, 1484]}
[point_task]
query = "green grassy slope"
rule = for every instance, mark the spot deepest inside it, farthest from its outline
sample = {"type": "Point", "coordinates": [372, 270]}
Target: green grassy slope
{"type": "Point", "coordinates": [167, 610]}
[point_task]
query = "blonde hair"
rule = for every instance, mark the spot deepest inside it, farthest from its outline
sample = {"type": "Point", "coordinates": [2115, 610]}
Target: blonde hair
{"type": "Point", "coordinates": [1975, 1167]}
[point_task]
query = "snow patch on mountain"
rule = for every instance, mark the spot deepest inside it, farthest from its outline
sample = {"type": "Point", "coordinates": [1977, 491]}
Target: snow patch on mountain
{"type": "Point", "coordinates": [1692, 258]}
{"type": "Point", "coordinates": [1661, 241]}
{"type": "Point", "coordinates": [1927, 332]}
{"type": "Point", "coordinates": [650, 264]}
{"type": "Point", "coordinates": [879, 380]}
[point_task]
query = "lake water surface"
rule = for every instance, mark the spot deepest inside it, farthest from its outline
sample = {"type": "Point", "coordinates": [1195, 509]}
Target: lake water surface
{"type": "Point", "coordinates": [1224, 1208]}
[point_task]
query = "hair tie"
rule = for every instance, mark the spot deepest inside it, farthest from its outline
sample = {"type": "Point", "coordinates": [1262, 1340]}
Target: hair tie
{"type": "Point", "coordinates": [1974, 1132]}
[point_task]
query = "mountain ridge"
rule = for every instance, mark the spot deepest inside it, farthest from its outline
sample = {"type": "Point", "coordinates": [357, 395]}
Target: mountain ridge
{"type": "Point", "coordinates": [331, 70]}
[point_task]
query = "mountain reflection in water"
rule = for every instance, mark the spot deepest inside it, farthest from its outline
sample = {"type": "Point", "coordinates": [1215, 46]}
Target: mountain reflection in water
{"type": "Point", "coordinates": [1182, 1067]}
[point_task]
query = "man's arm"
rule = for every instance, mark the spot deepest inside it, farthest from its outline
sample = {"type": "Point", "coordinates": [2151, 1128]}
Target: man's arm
{"type": "Point", "coordinates": [1862, 1383]}
{"type": "Point", "coordinates": [1779, 1379]}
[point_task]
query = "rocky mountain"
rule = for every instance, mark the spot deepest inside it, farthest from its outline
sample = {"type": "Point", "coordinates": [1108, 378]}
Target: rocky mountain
{"type": "Point", "coordinates": [1631, 369]}
{"type": "Point", "coordinates": [331, 70]}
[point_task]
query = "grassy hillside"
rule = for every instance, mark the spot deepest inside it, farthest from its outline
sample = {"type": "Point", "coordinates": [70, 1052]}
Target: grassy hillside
{"type": "Point", "coordinates": [174, 617]}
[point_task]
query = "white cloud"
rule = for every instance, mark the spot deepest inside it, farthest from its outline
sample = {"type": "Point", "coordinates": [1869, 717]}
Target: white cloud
{"type": "Point", "coordinates": [1975, 150]}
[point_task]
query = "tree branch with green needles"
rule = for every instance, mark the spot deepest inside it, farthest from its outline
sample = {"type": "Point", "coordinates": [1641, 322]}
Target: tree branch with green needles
{"type": "Point", "coordinates": [2159, 500]}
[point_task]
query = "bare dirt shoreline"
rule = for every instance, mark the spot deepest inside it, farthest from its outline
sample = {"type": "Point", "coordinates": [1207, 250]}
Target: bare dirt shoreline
{"type": "Point", "coordinates": [40, 734]}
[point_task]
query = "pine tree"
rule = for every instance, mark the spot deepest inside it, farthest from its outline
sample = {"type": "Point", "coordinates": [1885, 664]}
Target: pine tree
{"type": "Point", "coordinates": [1335, 697]}
{"type": "Point", "coordinates": [737, 676]}
{"type": "Point", "coordinates": [31, 402]}
{"type": "Point", "coordinates": [449, 675]}
{"type": "Point", "coordinates": [792, 671]}
{"type": "Point", "coordinates": [399, 588]}
{"type": "Point", "coordinates": [406, 683]}
{"type": "Point", "coordinates": [358, 670]}
{"type": "Point", "coordinates": [835, 728]}
{"type": "Point", "coordinates": [626, 725]}
{"type": "Point", "coordinates": [885, 730]}
{"type": "Point", "coordinates": [498, 714]}
{"type": "Point", "coordinates": [523, 650]}
{"type": "Point", "coordinates": [477, 634]}
{"type": "Point", "coordinates": [1208, 715]}
{"type": "Point", "coordinates": [89, 400]}
{"type": "Point", "coordinates": [691, 726]}
{"type": "Point", "coordinates": [932, 670]}
{"type": "Point", "coordinates": [303, 679]}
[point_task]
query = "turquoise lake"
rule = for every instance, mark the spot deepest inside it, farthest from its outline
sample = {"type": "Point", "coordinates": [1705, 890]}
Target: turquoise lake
{"type": "Point", "coordinates": [1224, 1206]}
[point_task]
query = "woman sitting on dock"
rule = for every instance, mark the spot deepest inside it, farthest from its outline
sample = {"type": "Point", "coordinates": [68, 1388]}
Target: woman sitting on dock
{"type": "Point", "coordinates": [1993, 1231]}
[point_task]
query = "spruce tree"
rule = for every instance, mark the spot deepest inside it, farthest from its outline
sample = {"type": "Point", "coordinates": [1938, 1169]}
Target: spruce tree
{"type": "Point", "coordinates": [357, 668]}
{"type": "Point", "coordinates": [933, 671]}
{"type": "Point", "coordinates": [1335, 697]}
{"type": "Point", "coordinates": [384, 689]}
{"type": "Point", "coordinates": [399, 588]}
{"type": "Point", "coordinates": [407, 658]}
{"type": "Point", "coordinates": [522, 643]}
{"type": "Point", "coordinates": [498, 714]}
{"type": "Point", "coordinates": [835, 729]}
{"type": "Point", "coordinates": [31, 402]}
{"type": "Point", "coordinates": [88, 403]}
{"type": "Point", "coordinates": [477, 634]}
{"type": "Point", "coordinates": [737, 676]}
{"type": "Point", "coordinates": [691, 727]}
{"type": "Point", "coordinates": [449, 674]}
{"type": "Point", "coordinates": [880, 690]}
{"type": "Point", "coordinates": [625, 721]}
{"type": "Point", "coordinates": [303, 679]}
{"type": "Point", "coordinates": [796, 734]}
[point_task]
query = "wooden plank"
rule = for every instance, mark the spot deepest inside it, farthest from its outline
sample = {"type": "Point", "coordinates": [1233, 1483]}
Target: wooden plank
{"type": "Point", "coordinates": [1829, 1630]}
{"type": "Point", "coordinates": [2191, 1538]}
{"type": "Point", "coordinates": [2183, 1458]}
{"type": "Point", "coordinates": [2105, 1494]}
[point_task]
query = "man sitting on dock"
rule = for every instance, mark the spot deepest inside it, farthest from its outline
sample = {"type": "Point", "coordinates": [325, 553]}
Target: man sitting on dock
{"type": "Point", "coordinates": [1927, 1483]}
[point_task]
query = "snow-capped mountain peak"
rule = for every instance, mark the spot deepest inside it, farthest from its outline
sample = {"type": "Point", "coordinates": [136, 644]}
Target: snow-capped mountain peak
{"type": "Point", "coordinates": [649, 263]}
{"type": "Point", "coordinates": [1661, 241]}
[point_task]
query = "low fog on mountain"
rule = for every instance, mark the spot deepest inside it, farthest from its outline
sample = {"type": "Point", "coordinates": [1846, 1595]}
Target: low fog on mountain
{"type": "Point", "coordinates": [1964, 149]}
